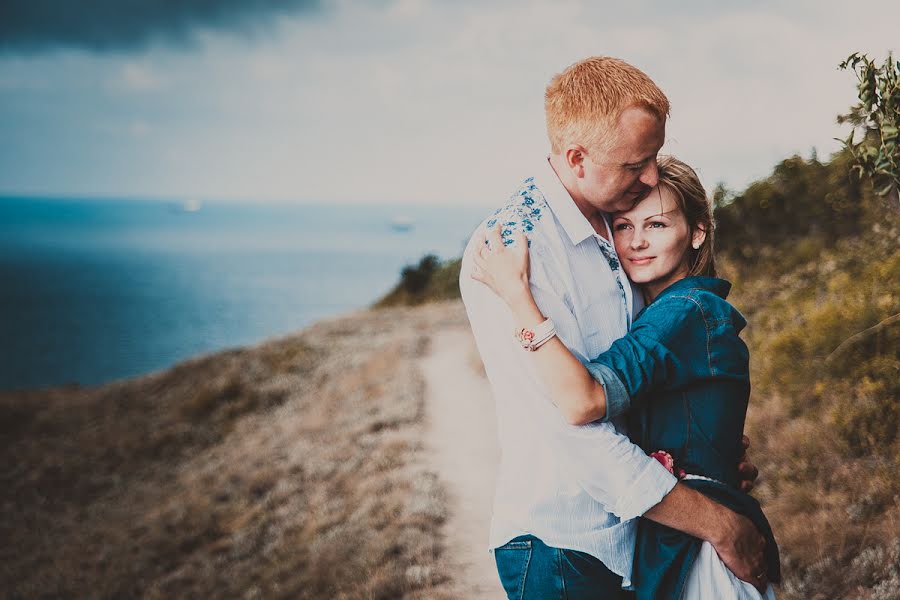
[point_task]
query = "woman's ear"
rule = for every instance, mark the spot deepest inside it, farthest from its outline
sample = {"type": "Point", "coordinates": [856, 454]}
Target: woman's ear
{"type": "Point", "coordinates": [698, 237]}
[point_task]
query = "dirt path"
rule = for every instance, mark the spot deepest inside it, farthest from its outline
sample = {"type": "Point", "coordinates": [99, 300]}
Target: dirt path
{"type": "Point", "coordinates": [463, 443]}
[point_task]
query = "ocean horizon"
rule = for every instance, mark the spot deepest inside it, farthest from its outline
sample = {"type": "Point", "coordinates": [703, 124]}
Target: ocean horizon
{"type": "Point", "coordinates": [94, 290]}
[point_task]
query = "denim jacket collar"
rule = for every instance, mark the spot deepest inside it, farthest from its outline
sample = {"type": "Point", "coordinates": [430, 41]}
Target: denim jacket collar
{"type": "Point", "coordinates": [719, 287]}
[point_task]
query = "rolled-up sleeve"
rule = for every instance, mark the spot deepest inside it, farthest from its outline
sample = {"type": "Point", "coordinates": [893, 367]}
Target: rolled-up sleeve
{"type": "Point", "coordinates": [614, 471]}
{"type": "Point", "coordinates": [617, 399]}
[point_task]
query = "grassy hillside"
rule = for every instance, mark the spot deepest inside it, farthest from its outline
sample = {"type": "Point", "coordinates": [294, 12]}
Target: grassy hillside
{"type": "Point", "coordinates": [292, 469]}
{"type": "Point", "coordinates": [815, 259]}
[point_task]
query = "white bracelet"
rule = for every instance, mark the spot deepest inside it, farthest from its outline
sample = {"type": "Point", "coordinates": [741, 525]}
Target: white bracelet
{"type": "Point", "coordinates": [532, 339]}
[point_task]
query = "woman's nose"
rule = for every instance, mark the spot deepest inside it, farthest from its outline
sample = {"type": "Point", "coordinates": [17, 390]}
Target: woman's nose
{"type": "Point", "coordinates": [638, 240]}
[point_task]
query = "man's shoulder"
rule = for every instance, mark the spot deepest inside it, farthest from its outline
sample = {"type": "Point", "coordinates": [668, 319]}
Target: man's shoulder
{"type": "Point", "coordinates": [525, 210]}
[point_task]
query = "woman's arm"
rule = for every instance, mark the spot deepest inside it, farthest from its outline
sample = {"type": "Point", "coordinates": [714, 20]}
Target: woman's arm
{"type": "Point", "coordinates": [579, 397]}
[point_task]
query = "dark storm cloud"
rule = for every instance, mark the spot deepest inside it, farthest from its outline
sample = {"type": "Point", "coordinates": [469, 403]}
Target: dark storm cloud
{"type": "Point", "coordinates": [29, 26]}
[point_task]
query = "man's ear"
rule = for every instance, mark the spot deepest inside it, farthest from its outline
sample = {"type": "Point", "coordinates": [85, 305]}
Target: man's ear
{"type": "Point", "coordinates": [698, 237]}
{"type": "Point", "coordinates": [575, 157]}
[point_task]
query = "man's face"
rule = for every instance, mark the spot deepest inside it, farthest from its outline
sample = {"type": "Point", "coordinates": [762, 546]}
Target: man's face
{"type": "Point", "coordinates": [618, 178]}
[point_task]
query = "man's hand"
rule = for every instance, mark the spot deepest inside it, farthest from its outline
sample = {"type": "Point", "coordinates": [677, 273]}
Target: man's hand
{"type": "Point", "coordinates": [742, 549]}
{"type": "Point", "coordinates": [735, 538]}
{"type": "Point", "coordinates": [746, 469]}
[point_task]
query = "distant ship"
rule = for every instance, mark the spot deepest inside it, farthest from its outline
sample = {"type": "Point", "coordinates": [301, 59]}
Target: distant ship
{"type": "Point", "coordinates": [187, 206]}
{"type": "Point", "coordinates": [402, 223]}
{"type": "Point", "coordinates": [191, 205]}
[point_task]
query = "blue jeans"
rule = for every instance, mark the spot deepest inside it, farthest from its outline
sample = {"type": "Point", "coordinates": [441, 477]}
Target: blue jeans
{"type": "Point", "coordinates": [531, 570]}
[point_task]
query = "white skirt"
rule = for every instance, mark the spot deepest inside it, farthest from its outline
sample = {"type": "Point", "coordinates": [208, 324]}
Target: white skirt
{"type": "Point", "coordinates": [710, 579]}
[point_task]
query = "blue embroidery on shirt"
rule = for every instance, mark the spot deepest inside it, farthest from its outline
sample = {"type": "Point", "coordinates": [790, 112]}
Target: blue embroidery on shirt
{"type": "Point", "coordinates": [521, 212]}
{"type": "Point", "coordinates": [609, 254]}
{"type": "Point", "coordinates": [611, 258]}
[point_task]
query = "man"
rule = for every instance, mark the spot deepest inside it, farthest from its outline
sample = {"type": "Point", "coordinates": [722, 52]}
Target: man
{"type": "Point", "coordinates": [563, 521]}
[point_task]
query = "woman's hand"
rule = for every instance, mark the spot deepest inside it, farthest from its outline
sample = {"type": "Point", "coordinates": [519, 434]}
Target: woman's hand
{"type": "Point", "coordinates": [504, 269]}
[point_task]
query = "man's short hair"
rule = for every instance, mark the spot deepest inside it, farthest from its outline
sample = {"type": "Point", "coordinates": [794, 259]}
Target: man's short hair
{"type": "Point", "coordinates": [583, 103]}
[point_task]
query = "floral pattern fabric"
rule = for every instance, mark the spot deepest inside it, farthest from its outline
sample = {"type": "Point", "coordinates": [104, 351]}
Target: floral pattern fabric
{"type": "Point", "coordinates": [524, 208]}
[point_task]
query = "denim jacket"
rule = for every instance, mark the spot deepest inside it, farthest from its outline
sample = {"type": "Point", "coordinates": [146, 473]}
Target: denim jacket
{"type": "Point", "coordinates": [685, 374]}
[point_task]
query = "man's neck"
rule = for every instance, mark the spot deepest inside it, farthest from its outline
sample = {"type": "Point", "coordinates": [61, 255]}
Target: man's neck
{"type": "Point", "coordinates": [567, 179]}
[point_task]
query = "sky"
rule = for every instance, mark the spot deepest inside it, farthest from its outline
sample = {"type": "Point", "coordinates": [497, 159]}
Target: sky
{"type": "Point", "coordinates": [409, 101]}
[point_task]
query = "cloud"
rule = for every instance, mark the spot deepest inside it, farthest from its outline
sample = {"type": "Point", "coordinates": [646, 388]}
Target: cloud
{"type": "Point", "coordinates": [31, 26]}
{"type": "Point", "coordinates": [140, 78]}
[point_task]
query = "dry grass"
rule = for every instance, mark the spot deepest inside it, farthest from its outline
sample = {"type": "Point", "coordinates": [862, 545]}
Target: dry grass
{"type": "Point", "coordinates": [825, 430]}
{"type": "Point", "coordinates": [291, 469]}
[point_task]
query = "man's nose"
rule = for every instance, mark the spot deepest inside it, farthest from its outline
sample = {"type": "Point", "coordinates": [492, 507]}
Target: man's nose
{"type": "Point", "coordinates": [650, 174]}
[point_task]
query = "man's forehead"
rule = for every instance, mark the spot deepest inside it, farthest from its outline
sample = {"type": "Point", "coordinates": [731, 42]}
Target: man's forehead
{"type": "Point", "coordinates": [638, 132]}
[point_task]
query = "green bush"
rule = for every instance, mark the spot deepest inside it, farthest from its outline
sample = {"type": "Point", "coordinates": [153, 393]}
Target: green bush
{"type": "Point", "coordinates": [430, 280]}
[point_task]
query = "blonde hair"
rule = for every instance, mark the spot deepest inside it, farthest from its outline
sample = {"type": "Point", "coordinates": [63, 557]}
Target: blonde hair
{"type": "Point", "coordinates": [584, 102]}
{"type": "Point", "coordinates": [684, 184]}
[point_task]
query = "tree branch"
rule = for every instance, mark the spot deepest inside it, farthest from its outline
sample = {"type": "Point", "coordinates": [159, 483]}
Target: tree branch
{"type": "Point", "coordinates": [862, 335]}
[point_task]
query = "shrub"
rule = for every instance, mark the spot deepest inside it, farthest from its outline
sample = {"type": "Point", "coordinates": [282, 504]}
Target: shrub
{"type": "Point", "coordinates": [431, 280]}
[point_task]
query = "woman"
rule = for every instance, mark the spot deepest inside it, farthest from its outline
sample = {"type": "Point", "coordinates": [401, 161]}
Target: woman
{"type": "Point", "coordinates": [682, 363]}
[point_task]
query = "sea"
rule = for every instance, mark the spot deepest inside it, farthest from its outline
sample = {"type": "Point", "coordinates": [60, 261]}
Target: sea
{"type": "Point", "coordinates": [94, 290]}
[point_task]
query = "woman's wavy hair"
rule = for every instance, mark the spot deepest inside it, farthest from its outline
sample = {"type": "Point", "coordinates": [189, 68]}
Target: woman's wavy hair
{"type": "Point", "coordinates": [682, 180]}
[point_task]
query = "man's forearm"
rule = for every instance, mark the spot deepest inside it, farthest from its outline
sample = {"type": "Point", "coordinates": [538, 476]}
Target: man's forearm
{"type": "Point", "coordinates": [688, 510]}
{"type": "Point", "coordinates": [579, 397]}
{"type": "Point", "coordinates": [734, 537]}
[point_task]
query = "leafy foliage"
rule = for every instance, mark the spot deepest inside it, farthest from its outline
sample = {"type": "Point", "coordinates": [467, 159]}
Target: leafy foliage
{"type": "Point", "coordinates": [878, 114]}
{"type": "Point", "coordinates": [803, 206]}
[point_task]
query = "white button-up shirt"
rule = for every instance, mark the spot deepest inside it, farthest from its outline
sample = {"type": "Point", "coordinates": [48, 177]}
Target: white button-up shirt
{"type": "Point", "coordinates": [573, 487]}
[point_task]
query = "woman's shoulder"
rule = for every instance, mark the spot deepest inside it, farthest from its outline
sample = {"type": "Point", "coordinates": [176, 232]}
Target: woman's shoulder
{"type": "Point", "coordinates": [696, 298]}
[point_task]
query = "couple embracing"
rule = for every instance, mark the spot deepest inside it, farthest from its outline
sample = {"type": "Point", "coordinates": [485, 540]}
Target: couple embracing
{"type": "Point", "coordinates": [620, 382]}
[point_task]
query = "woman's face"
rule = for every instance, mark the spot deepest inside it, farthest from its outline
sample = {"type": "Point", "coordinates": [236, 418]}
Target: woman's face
{"type": "Point", "coordinates": [654, 241]}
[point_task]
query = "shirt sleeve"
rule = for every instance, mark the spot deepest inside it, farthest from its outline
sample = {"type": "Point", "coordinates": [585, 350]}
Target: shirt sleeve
{"type": "Point", "coordinates": [609, 467]}
{"type": "Point", "coordinates": [651, 354]}
{"type": "Point", "coordinates": [617, 399]}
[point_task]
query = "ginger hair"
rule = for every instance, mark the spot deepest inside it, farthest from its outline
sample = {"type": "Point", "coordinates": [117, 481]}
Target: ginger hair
{"type": "Point", "coordinates": [583, 103]}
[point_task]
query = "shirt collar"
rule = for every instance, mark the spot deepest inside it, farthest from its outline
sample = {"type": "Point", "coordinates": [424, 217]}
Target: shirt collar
{"type": "Point", "coordinates": [560, 201]}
